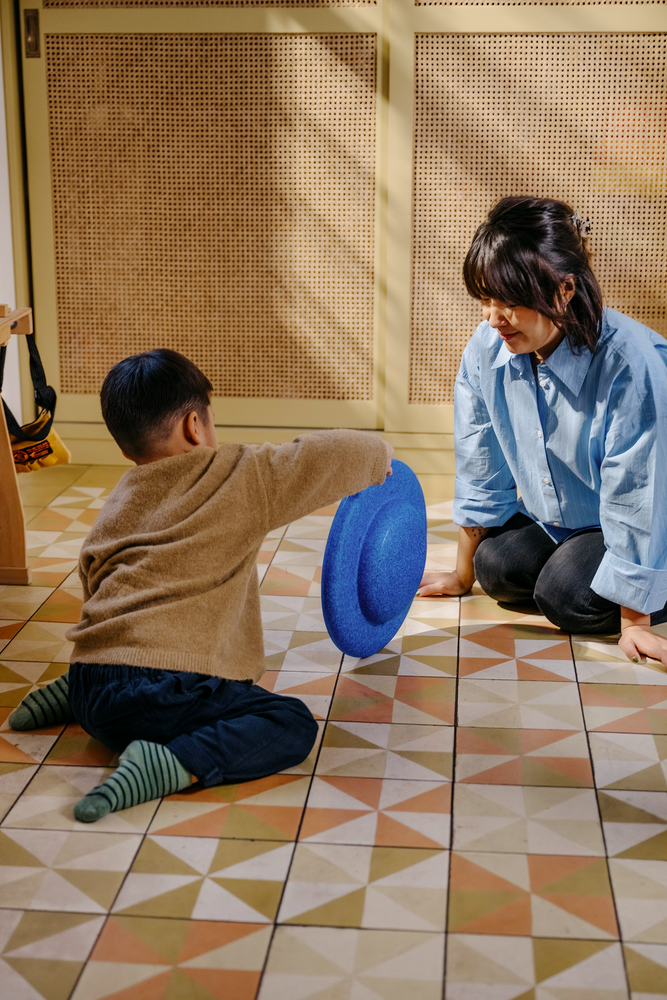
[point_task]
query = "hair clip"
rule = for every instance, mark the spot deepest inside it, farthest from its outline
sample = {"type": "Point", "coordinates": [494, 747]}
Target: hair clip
{"type": "Point", "coordinates": [583, 226]}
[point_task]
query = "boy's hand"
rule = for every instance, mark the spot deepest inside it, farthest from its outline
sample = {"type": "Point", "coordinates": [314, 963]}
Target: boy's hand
{"type": "Point", "coordinates": [436, 584]}
{"type": "Point", "coordinates": [390, 452]}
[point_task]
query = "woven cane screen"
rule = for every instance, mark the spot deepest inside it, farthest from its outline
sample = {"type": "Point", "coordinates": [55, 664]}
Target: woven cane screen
{"type": "Point", "coordinates": [214, 193]}
{"type": "Point", "coordinates": [579, 117]}
{"type": "Point", "coordinates": [208, 3]}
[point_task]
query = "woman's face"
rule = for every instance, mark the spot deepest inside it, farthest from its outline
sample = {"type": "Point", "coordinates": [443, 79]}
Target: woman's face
{"type": "Point", "coordinates": [523, 330]}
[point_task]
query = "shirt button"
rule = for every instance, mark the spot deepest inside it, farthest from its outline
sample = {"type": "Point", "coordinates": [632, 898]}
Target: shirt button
{"type": "Point", "coordinates": [547, 481]}
{"type": "Point", "coordinates": [556, 524]}
{"type": "Point", "coordinates": [539, 434]}
{"type": "Point", "coordinates": [544, 384]}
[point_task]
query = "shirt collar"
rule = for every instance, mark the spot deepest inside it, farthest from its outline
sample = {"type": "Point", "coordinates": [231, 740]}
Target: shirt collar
{"type": "Point", "coordinates": [570, 368]}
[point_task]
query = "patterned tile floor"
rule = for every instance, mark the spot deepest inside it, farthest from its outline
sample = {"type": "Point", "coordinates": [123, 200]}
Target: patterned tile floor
{"type": "Point", "coordinates": [484, 816]}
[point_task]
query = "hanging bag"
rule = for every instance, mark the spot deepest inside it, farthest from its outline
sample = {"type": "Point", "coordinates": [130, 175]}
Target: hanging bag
{"type": "Point", "coordinates": [36, 445]}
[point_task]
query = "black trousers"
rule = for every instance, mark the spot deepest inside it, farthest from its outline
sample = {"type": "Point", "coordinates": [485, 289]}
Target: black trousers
{"type": "Point", "coordinates": [519, 563]}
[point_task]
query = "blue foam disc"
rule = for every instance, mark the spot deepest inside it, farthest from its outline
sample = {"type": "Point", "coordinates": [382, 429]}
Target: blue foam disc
{"type": "Point", "coordinates": [373, 562]}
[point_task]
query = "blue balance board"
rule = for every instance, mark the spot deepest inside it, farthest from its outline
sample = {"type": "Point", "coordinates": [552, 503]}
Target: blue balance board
{"type": "Point", "coordinates": [373, 562]}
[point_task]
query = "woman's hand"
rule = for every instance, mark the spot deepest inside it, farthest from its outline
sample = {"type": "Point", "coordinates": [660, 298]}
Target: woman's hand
{"type": "Point", "coordinates": [639, 641]}
{"type": "Point", "coordinates": [444, 584]}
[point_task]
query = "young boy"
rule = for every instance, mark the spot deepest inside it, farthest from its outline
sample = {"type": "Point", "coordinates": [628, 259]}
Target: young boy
{"type": "Point", "coordinates": [169, 645]}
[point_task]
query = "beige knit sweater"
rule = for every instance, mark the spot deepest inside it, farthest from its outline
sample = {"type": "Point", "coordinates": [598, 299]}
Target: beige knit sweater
{"type": "Point", "coordinates": [168, 570]}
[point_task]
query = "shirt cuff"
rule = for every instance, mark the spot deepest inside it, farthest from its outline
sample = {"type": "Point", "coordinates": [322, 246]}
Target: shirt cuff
{"type": "Point", "coordinates": [475, 507]}
{"type": "Point", "coordinates": [637, 587]}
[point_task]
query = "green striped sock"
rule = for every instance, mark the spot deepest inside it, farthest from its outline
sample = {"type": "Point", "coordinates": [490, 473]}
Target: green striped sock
{"type": "Point", "coordinates": [145, 771]}
{"type": "Point", "coordinates": [45, 707]}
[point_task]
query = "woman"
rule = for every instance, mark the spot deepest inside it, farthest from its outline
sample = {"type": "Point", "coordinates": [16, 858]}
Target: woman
{"type": "Point", "coordinates": [565, 402]}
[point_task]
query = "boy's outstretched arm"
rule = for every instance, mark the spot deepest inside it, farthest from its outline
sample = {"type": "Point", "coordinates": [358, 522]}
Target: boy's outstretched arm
{"type": "Point", "coordinates": [462, 578]}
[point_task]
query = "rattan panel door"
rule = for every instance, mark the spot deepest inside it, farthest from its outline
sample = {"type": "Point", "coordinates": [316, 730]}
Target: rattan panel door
{"type": "Point", "coordinates": [213, 192]}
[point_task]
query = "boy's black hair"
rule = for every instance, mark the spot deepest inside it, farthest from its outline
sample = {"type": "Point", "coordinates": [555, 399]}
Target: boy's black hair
{"type": "Point", "coordinates": [521, 255]}
{"type": "Point", "coordinates": [144, 395]}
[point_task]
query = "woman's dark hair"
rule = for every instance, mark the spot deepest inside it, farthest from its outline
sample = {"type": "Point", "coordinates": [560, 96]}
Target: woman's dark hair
{"type": "Point", "coordinates": [143, 396]}
{"type": "Point", "coordinates": [522, 254]}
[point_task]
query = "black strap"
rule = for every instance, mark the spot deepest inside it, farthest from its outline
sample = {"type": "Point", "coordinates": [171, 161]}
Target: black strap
{"type": "Point", "coordinates": [45, 396]}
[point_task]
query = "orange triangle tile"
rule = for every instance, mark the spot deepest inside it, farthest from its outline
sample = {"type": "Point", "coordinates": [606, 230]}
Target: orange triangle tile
{"type": "Point", "coordinates": [211, 824]}
{"type": "Point", "coordinates": [510, 773]}
{"type": "Point", "coordinates": [9, 631]}
{"type": "Point", "coordinates": [512, 918]}
{"type": "Point", "coordinates": [561, 651]}
{"type": "Point", "coordinates": [546, 869]}
{"type": "Point", "coordinates": [117, 944]}
{"type": "Point", "coordinates": [207, 935]}
{"type": "Point", "coordinates": [595, 910]}
{"type": "Point", "coordinates": [636, 722]}
{"type": "Point", "coordinates": [284, 819]}
{"type": "Point", "coordinates": [470, 877]}
{"type": "Point", "coordinates": [534, 739]}
{"type": "Point", "coordinates": [318, 820]}
{"type": "Point", "coordinates": [476, 742]}
{"type": "Point", "coordinates": [499, 638]}
{"type": "Point", "coordinates": [529, 672]}
{"type": "Point", "coordinates": [473, 665]}
{"type": "Point", "coordinates": [390, 833]}
{"type": "Point", "coordinates": [366, 790]}
{"type": "Point", "coordinates": [246, 789]}
{"type": "Point", "coordinates": [578, 769]}
{"type": "Point", "coordinates": [437, 800]}
{"type": "Point", "coordinates": [608, 696]}
{"type": "Point", "coordinates": [348, 709]}
{"type": "Point", "coordinates": [9, 754]}
{"type": "Point", "coordinates": [237, 983]}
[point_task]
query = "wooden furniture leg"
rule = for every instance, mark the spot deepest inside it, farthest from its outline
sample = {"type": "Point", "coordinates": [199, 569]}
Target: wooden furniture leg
{"type": "Point", "coordinates": [13, 561]}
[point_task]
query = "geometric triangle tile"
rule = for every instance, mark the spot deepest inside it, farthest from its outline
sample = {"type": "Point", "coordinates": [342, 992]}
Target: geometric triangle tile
{"type": "Point", "coordinates": [478, 609]}
{"type": "Point", "coordinates": [375, 811]}
{"type": "Point", "coordinates": [519, 704]}
{"type": "Point", "coordinates": [360, 886]}
{"type": "Point", "coordinates": [25, 747]}
{"type": "Point", "coordinates": [647, 970]}
{"type": "Point", "coordinates": [625, 708]}
{"type": "Point", "coordinates": [538, 895]}
{"type": "Point", "coordinates": [206, 879]}
{"type": "Point", "coordinates": [312, 526]}
{"type": "Point", "coordinates": [510, 968]}
{"type": "Point", "coordinates": [43, 953]}
{"type": "Point", "coordinates": [527, 820]}
{"type": "Point", "coordinates": [13, 779]}
{"type": "Point", "coordinates": [76, 747]}
{"type": "Point", "coordinates": [314, 689]}
{"type": "Point", "coordinates": [379, 750]}
{"type": "Point", "coordinates": [40, 641]}
{"type": "Point", "coordinates": [146, 957]}
{"type": "Point", "coordinates": [266, 809]}
{"type": "Point", "coordinates": [300, 652]}
{"type": "Point", "coordinates": [345, 962]}
{"type": "Point", "coordinates": [409, 655]}
{"type": "Point", "coordinates": [523, 757]}
{"type": "Point", "coordinates": [49, 802]}
{"type": "Point", "coordinates": [515, 652]}
{"type": "Point", "coordinates": [287, 613]}
{"type": "Point", "coordinates": [394, 699]}
{"type": "Point", "coordinates": [18, 678]}
{"type": "Point", "coordinates": [21, 602]}
{"type": "Point", "coordinates": [630, 760]}
{"type": "Point", "coordinates": [58, 870]}
{"type": "Point", "coordinates": [635, 823]}
{"type": "Point", "coordinates": [61, 606]}
{"type": "Point", "coordinates": [640, 890]}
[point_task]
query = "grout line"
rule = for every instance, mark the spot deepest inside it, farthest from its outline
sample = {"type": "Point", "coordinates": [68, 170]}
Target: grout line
{"type": "Point", "coordinates": [604, 839]}
{"type": "Point", "coordinates": [451, 807]}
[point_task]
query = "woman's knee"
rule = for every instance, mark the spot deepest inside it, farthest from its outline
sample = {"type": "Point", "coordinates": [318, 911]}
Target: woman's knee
{"type": "Point", "coordinates": [564, 596]}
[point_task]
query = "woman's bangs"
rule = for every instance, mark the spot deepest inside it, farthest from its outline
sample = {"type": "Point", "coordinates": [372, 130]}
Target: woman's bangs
{"type": "Point", "coordinates": [487, 275]}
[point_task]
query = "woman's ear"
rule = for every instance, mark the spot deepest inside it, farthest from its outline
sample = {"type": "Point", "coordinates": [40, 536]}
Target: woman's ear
{"type": "Point", "coordinates": [566, 291]}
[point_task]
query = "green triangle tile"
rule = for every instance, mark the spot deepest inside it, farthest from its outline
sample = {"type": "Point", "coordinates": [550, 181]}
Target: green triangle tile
{"type": "Point", "coordinates": [645, 975]}
{"type": "Point", "coordinates": [440, 763]}
{"type": "Point", "coordinates": [154, 859]}
{"type": "Point", "coordinates": [466, 906]}
{"type": "Point", "coordinates": [652, 849]}
{"type": "Point", "coordinates": [346, 911]}
{"type": "Point", "coordinates": [242, 824]}
{"type": "Point", "coordinates": [261, 895]}
{"type": "Point", "coordinates": [101, 887]}
{"type": "Point", "coordinates": [36, 925]}
{"type": "Point", "coordinates": [337, 737]}
{"type": "Point", "coordinates": [580, 876]}
{"type": "Point", "coordinates": [53, 979]}
{"type": "Point", "coordinates": [9, 676]}
{"type": "Point", "coordinates": [649, 779]}
{"type": "Point", "coordinates": [617, 811]}
{"type": "Point", "coordinates": [165, 937]}
{"type": "Point", "coordinates": [52, 671]}
{"type": "Point", "coordinates": [389, 860]}
{"type": "Point", "coordinates": [552, 956]}
{"type": "Point", "coordinates": [233, 852]}
{"type": "Point", "coordinates": [13, 854]}
{"type": "Point", "coordinates": [382, 668]}
{"type": "Point", "coordinates": [175, 903]}
{"type": "Point", "coordinates": [182, 984]}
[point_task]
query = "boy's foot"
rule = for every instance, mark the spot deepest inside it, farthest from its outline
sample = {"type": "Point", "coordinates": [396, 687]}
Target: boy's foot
{"type": "Point", "coordinates": [48, 706]}
{"type": "Point", "coordinates": [145, 771]}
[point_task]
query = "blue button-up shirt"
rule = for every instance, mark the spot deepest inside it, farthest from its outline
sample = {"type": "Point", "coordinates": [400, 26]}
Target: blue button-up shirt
{"type": "Point", "coordinates": [584, 442]}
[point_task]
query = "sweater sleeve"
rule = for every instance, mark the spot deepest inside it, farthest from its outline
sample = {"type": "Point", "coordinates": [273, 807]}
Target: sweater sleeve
{"type": "Point", "coordinates": [317, 469]}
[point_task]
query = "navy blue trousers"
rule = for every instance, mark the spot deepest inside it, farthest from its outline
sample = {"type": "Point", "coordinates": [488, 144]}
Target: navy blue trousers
{"type": "Point", "coordinates": [519, 563]}
{"type": "Point", "coordinates": [221, 731]}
